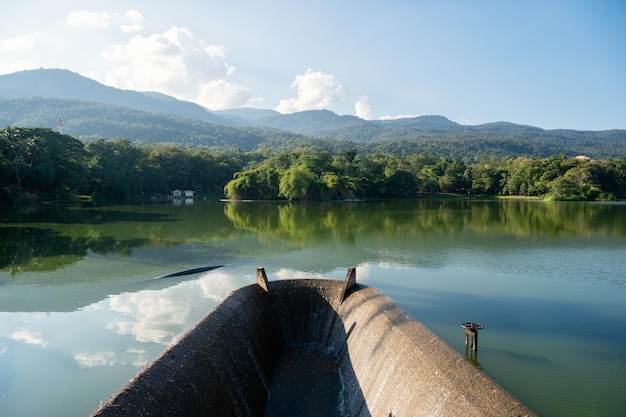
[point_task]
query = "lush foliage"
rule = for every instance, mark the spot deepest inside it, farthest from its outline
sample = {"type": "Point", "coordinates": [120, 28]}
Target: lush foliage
{"type": "Point", "coordinates": [41, 163]}
{"type": "Point", "coordinates": [314, 130]}
{"type": "Point", "coordinates": [304, 175]}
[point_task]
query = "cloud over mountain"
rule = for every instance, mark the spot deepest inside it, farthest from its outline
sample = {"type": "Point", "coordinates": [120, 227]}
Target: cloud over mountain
{"type": "Point", "coordinates": [317, 90]}
{"type": "Point", "coordinates": [372, 60]}
{"type": "Point", "coordinates": [127, 22]}
{"type": "Point", "coordinates": [176, 63]}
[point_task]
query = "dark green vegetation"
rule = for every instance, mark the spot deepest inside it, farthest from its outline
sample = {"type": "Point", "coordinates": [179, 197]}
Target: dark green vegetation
{"type": "Point", "coordinates": [92, 111]}
{"type": "Point", "coordinates": [41, 164]}
{"type": "Point", "coordinates": [314, 130]}
{"type": "Point", "coordinates": [54, 237]}
{"type": "Point", "coordinates": [321, 176]}
{"type": "Point", "coordinates": [124, 145]}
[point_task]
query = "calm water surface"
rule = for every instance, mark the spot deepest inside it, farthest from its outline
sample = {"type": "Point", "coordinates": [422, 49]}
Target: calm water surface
{"type": "Point", "coordinates": [81, 312]}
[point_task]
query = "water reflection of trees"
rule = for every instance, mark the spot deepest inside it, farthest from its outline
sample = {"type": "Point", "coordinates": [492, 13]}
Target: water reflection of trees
{"type": "Point", "coordinates": [29, 249]}
{"type": "Point", "coordinates": [533, 218]}
{"type": "Point", "coordinates": [53, 238]}
{"type": "Point", "coordinates": [427, 218]}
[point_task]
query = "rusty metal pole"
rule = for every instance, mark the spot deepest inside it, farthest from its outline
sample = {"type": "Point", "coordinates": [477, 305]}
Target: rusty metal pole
{"type": "Point", "coordinates": [475, 344]}
{"type": "Point", "coordinates": [471, 330]}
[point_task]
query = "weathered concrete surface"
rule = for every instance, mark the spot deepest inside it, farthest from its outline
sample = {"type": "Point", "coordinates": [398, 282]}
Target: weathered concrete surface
{"type": "Point", "coordinates": [388, 363]}
{"type": "Point", "coordinates": [306, 380]}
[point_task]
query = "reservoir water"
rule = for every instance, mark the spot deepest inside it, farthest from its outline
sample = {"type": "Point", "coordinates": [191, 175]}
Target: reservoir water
{"type": "Point", "coordinates": [81, 311]}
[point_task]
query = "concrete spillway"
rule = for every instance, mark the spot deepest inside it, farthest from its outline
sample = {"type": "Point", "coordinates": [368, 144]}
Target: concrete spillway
{"type": "Point", "coordinates": [311, 348]}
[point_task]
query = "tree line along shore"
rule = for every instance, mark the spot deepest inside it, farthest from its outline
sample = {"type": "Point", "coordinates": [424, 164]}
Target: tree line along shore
{"type": "Point", "coordinates": [38, 164]}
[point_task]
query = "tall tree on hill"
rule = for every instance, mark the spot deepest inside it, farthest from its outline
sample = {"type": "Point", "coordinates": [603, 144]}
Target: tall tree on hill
{"type": "Point", "coordinates": [42, 161]}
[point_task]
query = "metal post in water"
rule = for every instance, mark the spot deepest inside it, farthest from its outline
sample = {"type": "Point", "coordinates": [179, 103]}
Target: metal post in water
{"type": "Point", "coordinates": [471, 332]}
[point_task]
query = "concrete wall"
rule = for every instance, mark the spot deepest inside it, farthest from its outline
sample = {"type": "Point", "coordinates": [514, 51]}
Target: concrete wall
{"type": "Point", "coordinates": [390, 364]}
{"type": "Point", "coordinates": [403, 369]}
{"type": "Point", "coordinates": [223, 367]}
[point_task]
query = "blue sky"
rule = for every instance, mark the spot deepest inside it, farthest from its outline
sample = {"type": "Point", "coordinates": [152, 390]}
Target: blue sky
{"type": "Point", "coordinates": [546, 63]}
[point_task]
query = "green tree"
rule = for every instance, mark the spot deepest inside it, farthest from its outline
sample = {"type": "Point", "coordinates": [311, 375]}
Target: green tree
{"type": "Point", "coordinates": [19, 149]}
{"type": "Point", "coordinates": [620, 177]}
{"type": "Point", "coordinates": [256, 184]}
{"type": "Point", "coordinates": [523, 177]}
{"type": "Point", "coordinates": [340, 187]}
{"type": "Point", "coordinates": [211, 171]}
{"type": "Point", "coordinates": [62, 163]}
{"type": "Point", "coordinates": [171, 169]}
{"type": "Point", "coordinates": [485, 178]}
{"type": "Point", "coordinates": [116, 170]}
{"type": "Point", "coordinates": [454, 177]}
{"type": "Point", "coordinates": [402, 184]}
{"type": "Point", "coordinates": [41, 162]}
{"type": "Point", "coordinates": [371, 177]}
{"type": "Point", "coordinates": [299, 183]}
{"type": "Point", "coordinates": [579, 183]}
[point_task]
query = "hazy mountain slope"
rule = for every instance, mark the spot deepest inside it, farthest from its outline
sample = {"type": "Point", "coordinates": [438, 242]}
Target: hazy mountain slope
{"type": "Point", "coordinates": [311, 122]}
{"type": "Point", "coordinates": [419, 121]}
{"type": "Point", "coordinates": [245, 116]}
{"type": "Point", "coordinates": [92, 110]}
{"type": "Point", "coordinates": [89, 120]}
{"type": "Point", "coordinates": [59, 83]}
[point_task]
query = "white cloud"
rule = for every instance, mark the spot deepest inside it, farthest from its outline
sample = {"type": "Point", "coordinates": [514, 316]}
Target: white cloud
{"type": "Point", "coordinates": [152, 316]}
{"type": "Point", "coordinates": [362, 109]}
{"type": "Point", "coordinates": [89, 360]}
{"type": "Point", "coordinates": [13, 51]}
{"type": "Point", "coordinates": [315, 90]}
{"type": "Point", "coordinates": [20, 43]}
{"type": "Point", "coordinates": [135, 357]}
{"type": "Point", "coordinates": [287, 273]}
{"type": "Point", "coordinates": [84, 18]}
{"type": "Point", "coordinates": [220, 94]}
{"type": "Point", "coordinates": [129, 21]}
{"type": "Point", "coordinates": [161, 316]}
{"type": "Point", "coordinates": [175, 63]}
{"type": "Point", "coordinates": [363, 273]}
{"type": "Point", "coordinates": [216, 51]}
{"type": "Point", "coordinates": [17, 65]}
{"type": "Point", "coordinates": [217, 285]}
{"type": "Point", "coordinates": [139, 357]}
{"type": "Point", "coordinates": [28, 336]}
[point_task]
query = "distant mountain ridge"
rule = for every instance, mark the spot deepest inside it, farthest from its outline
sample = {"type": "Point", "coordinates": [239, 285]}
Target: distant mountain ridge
{"type": "Point", "coordinates": [64, 84]}
{"type": "Point", "coordinates": [92, 110]}
{"type": "Point", "coordinates": [420, 121]}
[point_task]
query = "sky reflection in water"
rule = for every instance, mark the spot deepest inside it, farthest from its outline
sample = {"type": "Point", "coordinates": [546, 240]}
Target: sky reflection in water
{"type": "Point", "coordinates": [546, 280]}
{"type": "Point", "coordinates": [59, 358]}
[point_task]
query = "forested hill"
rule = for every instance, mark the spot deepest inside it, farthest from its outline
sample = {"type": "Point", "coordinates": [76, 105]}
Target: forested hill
{"type": "Point", "coordinates": [91, 110]}
{"type": "Point", "coordinates": [90, 121]}
{"type": "Point", "coordinates": [64, 84]}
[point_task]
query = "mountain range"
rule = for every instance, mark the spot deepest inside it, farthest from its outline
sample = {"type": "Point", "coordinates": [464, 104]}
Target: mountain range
{"type": "Point", "coordinates": [91, 110]}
